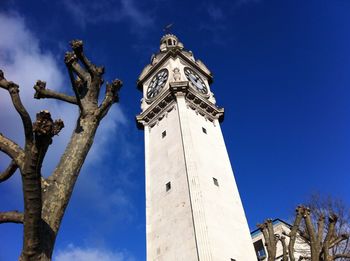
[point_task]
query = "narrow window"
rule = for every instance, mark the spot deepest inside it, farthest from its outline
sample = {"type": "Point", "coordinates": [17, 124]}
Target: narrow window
{"type": "Point", "coordinates": [216, 183]}
{"type": "Point", "coordinates": [204, 130]}
{"type": "Point", "coordinates": [169, 42]}
{"type": "Point", "coordinates": [260, 249]}
{"type": "Point", "coordinates": [163, 134]}
{"type": "Point", "coordinates": [168, 186]}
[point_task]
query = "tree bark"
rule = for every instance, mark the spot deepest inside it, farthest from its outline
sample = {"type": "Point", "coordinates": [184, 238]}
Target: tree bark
{"type": "Point", "coordinates": [11, 217]}
{"type": "Point", "coordinates": [294, 231]}
{"type": "Point", "coordinates": [10, 170]}
{"type": "Point", "coordinates": [61, 183]}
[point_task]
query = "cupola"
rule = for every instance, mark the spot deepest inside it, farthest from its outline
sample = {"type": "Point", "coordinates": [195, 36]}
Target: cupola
{"type": "Point", "coordinates": [170, 41]}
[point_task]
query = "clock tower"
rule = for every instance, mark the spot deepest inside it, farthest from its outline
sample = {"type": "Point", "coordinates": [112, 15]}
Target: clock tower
{"type": "Point", "coordinates": [193, 208]}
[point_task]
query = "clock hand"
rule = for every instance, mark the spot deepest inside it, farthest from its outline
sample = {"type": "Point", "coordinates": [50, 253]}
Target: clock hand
{"type": "Point", "coordinates": [193, 78]}
{"type": "Point", "coordinates": [198, 84]}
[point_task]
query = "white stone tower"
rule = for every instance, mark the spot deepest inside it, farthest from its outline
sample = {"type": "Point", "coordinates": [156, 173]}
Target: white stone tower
{"type": "Point", "coordinates": [193, 208]}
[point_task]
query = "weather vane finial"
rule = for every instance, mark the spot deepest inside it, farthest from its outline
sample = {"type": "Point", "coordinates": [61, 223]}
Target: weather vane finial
{"type": "Point", "coordinates": [167, 28]}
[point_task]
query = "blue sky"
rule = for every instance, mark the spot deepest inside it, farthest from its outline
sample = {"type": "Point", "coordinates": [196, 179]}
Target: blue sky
{"type": "Point", "coordinates": [281, 71]}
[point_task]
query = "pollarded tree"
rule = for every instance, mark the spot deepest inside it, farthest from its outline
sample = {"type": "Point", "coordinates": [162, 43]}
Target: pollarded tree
{"type": "Point", "coordinates": [324, 205]}
{"type": "Point", "coordinates": [320, 239]}
{"type": "Point", "coordinates": [45, 199]}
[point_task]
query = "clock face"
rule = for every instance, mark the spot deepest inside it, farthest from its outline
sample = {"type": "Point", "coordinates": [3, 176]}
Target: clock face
{"type": "Point", "coordinates": [196, 80]}
{"type": "Point", "coordinates": [157, 83]}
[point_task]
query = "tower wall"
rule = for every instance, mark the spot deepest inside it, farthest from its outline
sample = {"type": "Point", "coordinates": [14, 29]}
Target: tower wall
{"type": "Point", "coordinates": [169, 224]}
{"type": "Point", "coordinates": [195, 217]}
{"type": "Point", "coordinates": [221, 227]}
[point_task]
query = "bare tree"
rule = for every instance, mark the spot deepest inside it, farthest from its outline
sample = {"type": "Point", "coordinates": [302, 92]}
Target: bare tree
{"type": "Point", "coordinates": [45, 199]}
{"type": "Point", "coordinates": [321, 238]}
{"type": "Point", "coordinates": [271, 239]}
{"type": "Point", "coordinates": [323, 205]}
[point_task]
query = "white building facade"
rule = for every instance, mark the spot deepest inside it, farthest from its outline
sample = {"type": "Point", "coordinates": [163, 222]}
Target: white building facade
{"type": "Point", "coordinates": [193, 208]}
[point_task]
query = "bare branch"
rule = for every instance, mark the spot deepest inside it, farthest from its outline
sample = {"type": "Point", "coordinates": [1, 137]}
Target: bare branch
{"type": "Point", "coordinates": [320, 228]}
{"type": "Point", "coordinates": [270, 239]}
{"type": "Point", "coordinates": [71, 62]}
{"type": "Point", "coordinates": [11, 217]}
{"type": "Point", "coordinates": [294, 230]}
{"type": "Point", "coordinates": [13, 150]}
{"type": "Point", "coordinates": [45, 127]}
{"type": "Point", "coordinates": [330, 234]}
{"type": "Point", "coordinates": [346, 246]}
{"type": "Point", "coordinates": [304, 235]}
{"type": "Point", "coordinates": [94, 80]}
{"type": "Point", "coordinates": [41, 92]}
{"type": "Point", "coordinates": [13, 89]}
{"type": "Point", "coordinates": [111, 96]}
{"type": "Point", "coordinates": [284, 247]}
{"type": "Point", "coordinates": [10, 170]}
{"type": "Point", "coordinates": [341, 256]}
{"type": "Point", "coordinates": [76, 84]}
{"type": "Point", "coordinates": [78, 46]}
{"type": "Point", "coordinates": [314, 246]}
{"type": "Point", "coordinates": [337, 240]}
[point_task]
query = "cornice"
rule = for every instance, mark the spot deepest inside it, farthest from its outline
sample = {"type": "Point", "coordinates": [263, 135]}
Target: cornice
{"type": "Point", "coordinates": [204, 107]}
{"type": "Point", "coordinates": [166, 103]}
{"type": "Point", "coordinates": [172, 53]}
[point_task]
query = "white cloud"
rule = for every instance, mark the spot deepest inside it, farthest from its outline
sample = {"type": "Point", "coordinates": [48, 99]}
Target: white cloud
{"type": "Point", "coordinates": [215, 12]}
{"type": "Point", "coordinates": [24, 62]}
{"type": "Point", "coordinates": [85, 12]}
{"type": "Point", "coordinates": [21, 57]}
{"type": "Point", "coordinates": [91, 254]}
{"type": "Point", "coordinates": [138, 16]}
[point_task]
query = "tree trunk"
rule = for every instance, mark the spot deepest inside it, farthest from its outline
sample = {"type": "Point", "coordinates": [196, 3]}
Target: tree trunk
{"type": "Point", "coordinates": [32, 205]}
{"type": "Point", "coordinates": [60, 185]}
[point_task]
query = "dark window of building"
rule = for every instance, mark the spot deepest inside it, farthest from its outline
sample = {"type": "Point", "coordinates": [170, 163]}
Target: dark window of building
{"type": "Point", "coordinates": [216, 182]}
{"type": "Point", "coordinates": [204, 130]}
{"type": "Point", "coordinates": [259, 250]}
{"type": "Point", "coordinates": [169, 42]}
{"type": "Point", "coordinates": [233, 259]}
{"type": "Point", "coordinates": [168, 186]}
{"type": "Point", "coordinates": [163, 134]}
